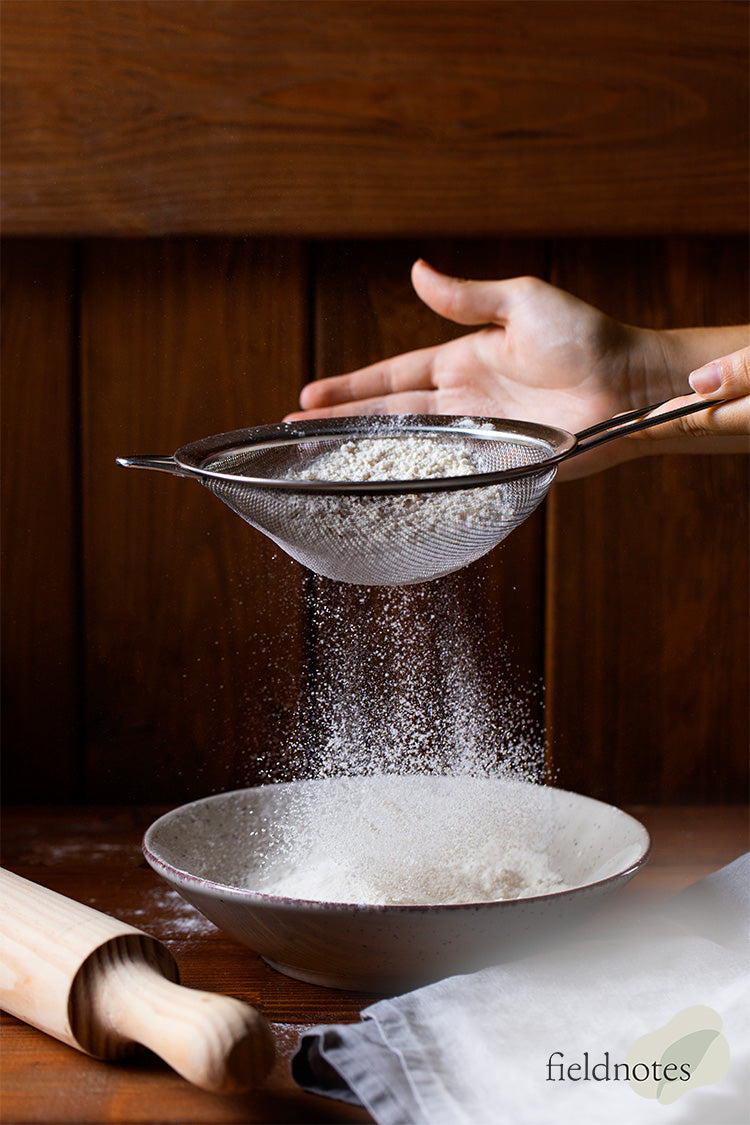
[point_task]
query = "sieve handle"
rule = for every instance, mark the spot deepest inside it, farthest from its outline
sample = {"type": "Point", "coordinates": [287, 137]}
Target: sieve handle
{"type": "Point", "coordinates": [634, 421]}
{"type": "Point", "coordinates": [161, 463]}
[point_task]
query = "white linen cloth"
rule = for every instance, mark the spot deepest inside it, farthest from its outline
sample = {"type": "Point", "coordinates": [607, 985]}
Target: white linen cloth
{"type": "Point", "coordinates": [474, 1049]}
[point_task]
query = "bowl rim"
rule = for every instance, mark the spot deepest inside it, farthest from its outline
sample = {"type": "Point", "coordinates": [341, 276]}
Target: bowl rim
{"type": "Point", "coordinates": [177, 875]}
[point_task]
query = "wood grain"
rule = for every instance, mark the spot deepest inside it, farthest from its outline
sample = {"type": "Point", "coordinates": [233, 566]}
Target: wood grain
{"type": "Point", "coordinates": [92, 854]}
{"type": "Point", "coordinates": [40, 523]}
{"type": "Point", "coordinates": [105, 988]}
{"type": "Point", "coordinates": [46, 940]}
{"type": "Point", "coordinates": [192, 640]}
{"type": "Point", "coordinates": [333, 119]}
{"type": "Point", "coordinates": [193, 619]}
{"type": "Point", "coordinates": [647, 654]}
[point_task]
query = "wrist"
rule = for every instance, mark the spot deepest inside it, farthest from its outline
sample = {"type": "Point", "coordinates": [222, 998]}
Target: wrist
{"type": "Point", "coordinates": [654, 366]}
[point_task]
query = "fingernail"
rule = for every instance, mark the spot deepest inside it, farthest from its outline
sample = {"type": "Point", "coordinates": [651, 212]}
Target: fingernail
{"type": "Point", "coordinates": [706, 379]}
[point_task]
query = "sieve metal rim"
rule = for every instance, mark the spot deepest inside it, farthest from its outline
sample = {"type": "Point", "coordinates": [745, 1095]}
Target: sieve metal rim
{"type": "Point", "coordinates": [197, 457]}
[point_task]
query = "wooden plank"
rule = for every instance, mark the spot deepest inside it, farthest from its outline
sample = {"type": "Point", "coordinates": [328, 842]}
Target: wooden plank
{"type": "Point", "coordinates": [648, 602]}
{"type": "Point", "coordinates": [40, 629]}
{"type": "Point", "coordinates": [327, 118]}
{"type": "Point", "coordinates": [466, 650]}
{"type": "Point", "coordinates": [193, 618]}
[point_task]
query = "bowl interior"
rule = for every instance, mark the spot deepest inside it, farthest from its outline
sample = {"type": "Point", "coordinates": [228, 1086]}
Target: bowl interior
{"type": "Point", "coordinates": [226, 853]}
{"type": "Point", "coordinates": [245, 839]}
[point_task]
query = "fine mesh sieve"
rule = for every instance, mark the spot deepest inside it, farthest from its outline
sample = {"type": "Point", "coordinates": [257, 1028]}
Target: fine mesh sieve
{"type": "Point", "coordinates": [389, 532]}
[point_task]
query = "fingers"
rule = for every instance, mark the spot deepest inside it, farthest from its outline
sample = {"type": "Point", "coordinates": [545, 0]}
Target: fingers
{"type": "Point", "coordinates": [409, 372]}
{"type": "Point", "coordinates": [407, 402]}
{"type": "Point", "coordinates": [376, 389]}
{"type": "Point", "coordinates": [725, 421]}
{"type": "Point", "coordinates": [727, 377]}
{"type": "Point", "coordinates": [723, 428]}
{"type": "Point", "coordinates": [465, 302]}
{"type": "Point", "coordinates": [372, 389]}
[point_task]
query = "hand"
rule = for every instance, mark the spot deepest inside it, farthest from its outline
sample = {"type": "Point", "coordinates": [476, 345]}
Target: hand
{"type": "Point", "coordinates": [725, 429]}
{"type": "Point", "coordinates": [543, 355]}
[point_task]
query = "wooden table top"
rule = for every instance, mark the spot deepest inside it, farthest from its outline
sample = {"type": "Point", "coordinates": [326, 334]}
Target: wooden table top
{"type": "Point", "coordinates": [93, 855]}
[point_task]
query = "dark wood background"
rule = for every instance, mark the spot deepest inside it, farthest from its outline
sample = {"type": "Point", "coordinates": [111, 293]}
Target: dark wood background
{"type": "Point", "coordinates": [337, 119]}
{"type": "Point", "coordinates": [207, 204]}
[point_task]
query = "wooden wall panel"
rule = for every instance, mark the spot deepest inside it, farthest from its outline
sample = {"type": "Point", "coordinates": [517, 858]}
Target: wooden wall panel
{"type": "Point", "coordinates": [328, 119]}
{"type": "Point", "coordinates": [40, 527]}
{"type": "Point", "coordinates": [156, 648]}
{"type": "Point", "coordinates": [193, 637]}
{"type": "Point", "coordinates": [648, 627]}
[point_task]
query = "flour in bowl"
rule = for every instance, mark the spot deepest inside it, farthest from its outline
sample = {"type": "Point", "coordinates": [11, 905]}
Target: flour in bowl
{"type": "Point", "coordinates": [411, 840]}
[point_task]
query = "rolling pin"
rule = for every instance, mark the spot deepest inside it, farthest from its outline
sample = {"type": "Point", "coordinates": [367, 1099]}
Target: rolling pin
{"type": "Point", "coordinates": [106, 988]}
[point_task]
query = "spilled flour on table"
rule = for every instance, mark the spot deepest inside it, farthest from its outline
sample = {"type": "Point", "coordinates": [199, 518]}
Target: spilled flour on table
{"type": "Point", "coordinates": [175, 917]}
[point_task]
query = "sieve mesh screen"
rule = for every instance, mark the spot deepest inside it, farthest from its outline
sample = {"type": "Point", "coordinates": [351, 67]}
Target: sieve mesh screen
{"type": "Point", "coordinates": [389, 537]}
{"type": "Point", "coordinates": [393, 529]}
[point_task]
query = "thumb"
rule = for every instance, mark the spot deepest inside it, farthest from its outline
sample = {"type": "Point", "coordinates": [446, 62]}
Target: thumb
{"type": "Point", "coordinates": [726, 381]}
{"type": "Point", "coordinates": [728, 377]}
{"type": "Point", "coordinates": [465, 302]}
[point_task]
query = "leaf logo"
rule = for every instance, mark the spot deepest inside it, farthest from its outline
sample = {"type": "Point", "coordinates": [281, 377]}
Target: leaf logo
{"type": "Point", "coordinates": [685, 1053]}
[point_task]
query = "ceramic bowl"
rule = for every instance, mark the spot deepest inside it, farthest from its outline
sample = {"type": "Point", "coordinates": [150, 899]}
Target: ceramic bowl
{"type": "Point", "coordinates": [208, 851]}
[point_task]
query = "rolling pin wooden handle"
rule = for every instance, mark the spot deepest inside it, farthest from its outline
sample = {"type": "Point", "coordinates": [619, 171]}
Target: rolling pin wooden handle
{"type": "Point", "coordinates": [103, 986]}
{"type": "Point", "coordinates": [216, 1042]}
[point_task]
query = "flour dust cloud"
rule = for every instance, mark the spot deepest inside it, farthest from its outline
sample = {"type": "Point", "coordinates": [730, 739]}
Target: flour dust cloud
{"type": "Point", "coordinates": [397, 685]}
{"type": "Point", "coordinates": [399, 701]}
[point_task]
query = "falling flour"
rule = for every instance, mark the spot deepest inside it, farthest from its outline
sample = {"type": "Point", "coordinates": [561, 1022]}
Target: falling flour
{"type": "Point", "coordinates": [410, 715]}
{"type": "Point", "coordinates": [402, 705]}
